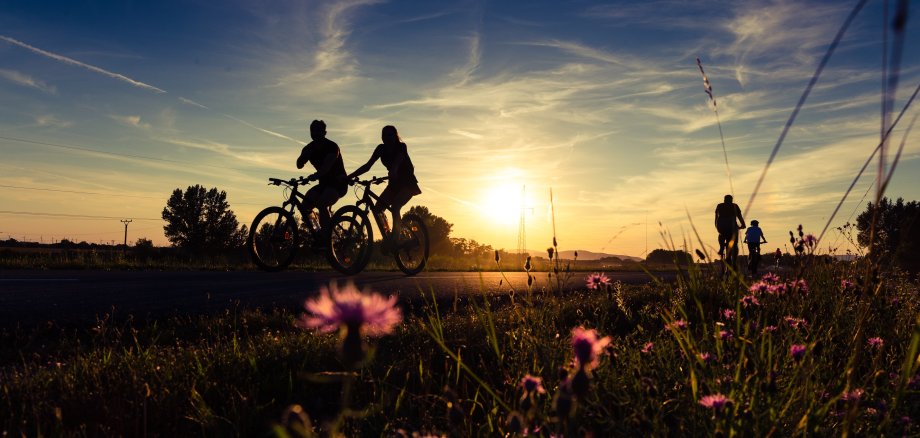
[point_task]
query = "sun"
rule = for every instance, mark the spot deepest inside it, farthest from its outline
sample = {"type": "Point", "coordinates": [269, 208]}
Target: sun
{"type": "Point", "coordinates": [502, 203]}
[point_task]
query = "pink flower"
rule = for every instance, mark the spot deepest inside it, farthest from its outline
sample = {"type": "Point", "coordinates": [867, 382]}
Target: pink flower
{"type": "Point", "coordinates": [846, 284]}
{"type": "Point", "coordinates": [769, 329]}
{"type": "Point", "coordinates": [706, 357]}
{"type": "Point", "coordinates": [353, 309]}
{"type": "Point", "coordinates": [854, 395]}
{"type": "Point", "coordinates": [726, 335]}
{"type": "Point", "coordinates": [801, 285]}
{"type": "Point", "coordinates": [588, 347]}
{"type": "Point", "coordinates": [533, 384]}
{"type": "Point", "coordinates": [770, 278]}
{"type": "Point", "coordinates": [876, 342]}
{"type": "Point", "coordinates": [796, 323]}
{"type": "Point", "coordinates": [777, 289]}
{"type": "Point", "coordinates": [676, 325]}
{"type": "Point", "coordinates": [759, 287]}
{"type": "Point", "coordinates": [749, 300]}
{"type": "Point", "coordinates": [728, 314]}
{"type": "Point", "coordinates": [797, 351]}
{"type": "Point", "coordinates": [647, 348]}
{"type": "Point", "coordinates": [715, 401]}
{"type": "Point", "coordinates": [597, 280]}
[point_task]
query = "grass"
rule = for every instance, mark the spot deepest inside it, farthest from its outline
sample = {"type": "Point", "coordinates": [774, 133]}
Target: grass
{"type": "Point", "coordinates": [453, 367]}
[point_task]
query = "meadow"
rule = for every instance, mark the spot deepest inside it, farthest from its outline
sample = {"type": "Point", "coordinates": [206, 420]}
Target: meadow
{"type": "Point", "coordinates": [827, 348]}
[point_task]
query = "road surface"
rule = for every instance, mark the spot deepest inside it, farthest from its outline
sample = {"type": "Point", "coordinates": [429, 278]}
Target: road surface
{"type": "Point", "coordinates": [29, 297]}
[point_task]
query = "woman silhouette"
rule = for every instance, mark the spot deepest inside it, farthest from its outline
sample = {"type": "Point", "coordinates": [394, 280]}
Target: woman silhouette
{"type": "Point", "coordinates": [403, 185]}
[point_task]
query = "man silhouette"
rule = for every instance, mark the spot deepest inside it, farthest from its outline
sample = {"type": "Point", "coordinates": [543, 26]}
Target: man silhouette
{"type": "Point", "coordinates": [727, 226]}
{"type": "Point", "coordinates": [326, 158]}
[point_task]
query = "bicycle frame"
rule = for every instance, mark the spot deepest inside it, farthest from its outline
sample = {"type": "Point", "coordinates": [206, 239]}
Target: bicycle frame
{"type": "Point", "coordinates": [297, 200]}
{"type": "Point", "coordinates": [368, 200]}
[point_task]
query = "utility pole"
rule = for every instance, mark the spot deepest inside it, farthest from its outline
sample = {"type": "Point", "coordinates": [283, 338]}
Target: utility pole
{"type": "Point", "coordinates": [126, 222]}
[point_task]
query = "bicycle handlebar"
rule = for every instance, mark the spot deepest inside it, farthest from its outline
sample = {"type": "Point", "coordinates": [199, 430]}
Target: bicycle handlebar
{"type": "Point", "coordinates": [368, 182]}
{"type": "Point", "coordinates": [291, 182]}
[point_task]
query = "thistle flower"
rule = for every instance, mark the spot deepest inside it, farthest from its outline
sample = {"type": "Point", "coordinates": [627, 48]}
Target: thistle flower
{"type": "Point", "coordinates": [588, 347]}
{"type": "Point", "coordinates": [810, 240]}
{"type": "Point", "coordinates": [352, 309]}
{"type": "Point", "coordinates": [648, 347]}
{"type": "Point", "coordinates": [796, 323]}
{"type": "Point", "coordinates": [527, 265]}
{"type": "Point", "coordinates": [846, 284]}
{"type": "Point", "coordinates": [700, 255]}
{"type": "Point", "coordinates": [596, 280]}
{"type": "Point", "coordinates": [769, 329]}
{"type": "Point", "coordinates": [760, 287]}
{"type": "Point", "coordinates": [497, 258]}
{"type": "Point", "coordinates": [797, 351]}
{"type": "Point", "coordinates": [853, 396]}
{"type": "Point", "coordinates": [728, 314]}
{"type": "Point", "coordinates": [706, 357]}
{"type": "Point", "coordinates": [770, 278]}
{"type": "Point", "coordinates": [550, 251]}
{"type": "Point", "coordinates": [715, 401]}
{"type": "Point", "coordinates": [876, 342]}
{"type": "Point", "coordinates": [532, 384]}
{"type": "Point", "coordinates": [726, 335]}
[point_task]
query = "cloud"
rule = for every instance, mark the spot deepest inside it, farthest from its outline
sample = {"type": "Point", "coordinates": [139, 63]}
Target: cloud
{"type": "Point", "coordinates": [134, 121]}
{"type": "Point", "coordinates": [76, 63]}
{"type": "Point", "coordinates": [27, 81]}
{"type": "Point", "coordinates": [49, 120]}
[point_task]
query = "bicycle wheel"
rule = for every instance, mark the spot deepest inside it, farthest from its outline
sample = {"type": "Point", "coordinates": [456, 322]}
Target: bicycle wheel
{"type": "Point", "coordinates": [412, 245]}
{"type": "Point", "coordinates": [350, 240]}
{"type": "Point", "coordinates": [273, 239]}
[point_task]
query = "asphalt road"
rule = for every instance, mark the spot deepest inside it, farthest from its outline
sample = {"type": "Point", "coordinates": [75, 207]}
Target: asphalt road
{"type": "Point", "coordinates": [29, 297]}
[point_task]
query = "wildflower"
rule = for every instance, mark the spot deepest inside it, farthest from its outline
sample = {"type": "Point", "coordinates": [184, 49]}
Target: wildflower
{"type": "Point", "coordinates": [550, 251]}
{"type": "Point", "coordinates": [796, 323]}
{"type": "Point", "coordinates": [801, 285]}
{"type": "Point", "coordinates": [527, 264]}
{"type": "Point", "coordinates": [706, 357]}
{"type": "Point", "coordinates": [352, 309]}
{"type": "Point", "coordinates": [726, 335]}
{"type": "Point", "coordinates": [700, 255]}
{"type": "Point", "coordinates": [497, 258]}
{"type": "Point", "coordinates": [588, 347]}
{"type": "Point", "coordinates": [715, 401]}
{"type": "Point", "coordinates": [749, 300]}
{"type": "Point", "coordinates": [778, 289]}
{"type": "Point", "coordinates": [678, 324]}
{"type": "Point", "coordinates": [770, 278]}
{"type": "Point", "coordinates": [846, 284]}
{"type": "Point", "coordinates": [759, 287]}
{"type": "Point", "coordinates": [853, 396]}
{"type": "Point", "coordinates": [532, 384]}
{"type": "Point", "coordinates": [810, 240]}
{"type": "Point", "coordinates": [797, 351]}
{"type": "Point", "coordinates": [596, 280]}
{"type": "Point", "coordinates": [648, 347]}
{"type": "Point", "coordinates": [728, 314]}
{"type": "Point", "coordinates": [876, 342]}
{"type": "Point", "coordinates": [769, 329]}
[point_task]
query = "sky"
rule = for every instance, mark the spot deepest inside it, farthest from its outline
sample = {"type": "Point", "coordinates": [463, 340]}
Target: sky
{"type": "Point", "coordinates": [109, 106]}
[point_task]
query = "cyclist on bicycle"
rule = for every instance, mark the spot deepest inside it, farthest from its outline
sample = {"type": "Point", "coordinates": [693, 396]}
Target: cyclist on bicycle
{"type": "Point", "coordinates": [726, 213]}
{"type": "Point", "coordinates": [403, 185]}
{"type": "Point", "coordinates": [326, 158]}
{"type": "Point", "coordinates": [754, 237]}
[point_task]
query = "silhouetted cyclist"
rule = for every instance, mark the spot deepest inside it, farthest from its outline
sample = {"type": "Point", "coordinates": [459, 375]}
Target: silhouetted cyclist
{"type": "Point", "coordinates": [726, 213]}
{"type": "Point", "coordinates": [754, 237]}
{"type": "Point", "coordinates": [402, 185]}
{"type": "Point", "coordinates": [326, 158]}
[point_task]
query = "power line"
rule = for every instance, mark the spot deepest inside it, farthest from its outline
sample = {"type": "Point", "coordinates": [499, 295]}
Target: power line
{"type": "Point", "coordinates": [45, 189]}
{"type": "Point", "coordinates": [73, 216]}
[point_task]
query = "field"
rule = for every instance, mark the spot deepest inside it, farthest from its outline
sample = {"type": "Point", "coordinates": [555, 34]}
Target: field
{"type": "Point", "coordinates": [828, 349]}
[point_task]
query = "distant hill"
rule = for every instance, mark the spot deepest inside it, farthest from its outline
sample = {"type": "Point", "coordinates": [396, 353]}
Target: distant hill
{"type": "Point", "coordinates": [585, 255]}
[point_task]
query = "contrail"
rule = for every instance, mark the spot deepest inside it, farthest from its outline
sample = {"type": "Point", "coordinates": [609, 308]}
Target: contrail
{"type": "Point", "coordinates": [72, 61]}
{"type": "Point", "coordinates": [136, 83]}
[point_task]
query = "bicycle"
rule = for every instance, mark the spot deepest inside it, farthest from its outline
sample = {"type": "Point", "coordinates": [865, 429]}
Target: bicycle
{"type": "Point", "coordinates": [352, 237]}
{"type": "Point", "coordinates": [275, 236]}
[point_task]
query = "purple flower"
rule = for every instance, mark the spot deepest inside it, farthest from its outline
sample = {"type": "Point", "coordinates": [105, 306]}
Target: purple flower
{"type": "Point", "coordinates": [353, 309]}
{"type": "Point", "coordinates": [769, 329]}
{"type": "Point", "coordinates": [778, 289]}
{"type": "Point", "coordinates": [706, 357]}
{"type": "Point", "coordinates": [532, 384]}
{"type": "Point", "coordinates": [588, 347]}
{"type": "Point", "coordinates": [726, 335]}
{"type": "Point", "coordinates": [797, 351]}
{"type": "Point", "coordinates": [770, 278]}
{"type": "Point", "coordinates": [801, 285]}
{"type": "Point", "coordinates": [759, 287]}
{"type": "Point", "coordinates": [597, 280]}
{"type": "Point", "coordinates": [648, 347]}
{"type": "Point", "coordinates": [749, 300]}
{"type": "Point", "coordinates": [728, 314]}
{"type": "Point", "coordinates": [846, 284]}
{"type": "Point", "coordinates": [810, 240]}
{"type": "Point", "coordinates": [876, 342]}
{"type": "Point", "coordinates": [715, 401]}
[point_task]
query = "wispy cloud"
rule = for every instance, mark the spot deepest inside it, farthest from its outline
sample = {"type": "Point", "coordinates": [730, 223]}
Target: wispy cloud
{"type": "Point", "coordinates": [130, 120]}
{"type": "Point", "coordinates": [27, 81]}
{"type": "Point", "coordinates": [86, 66]}
{"type": "Point", "coordinates": [49, 120]}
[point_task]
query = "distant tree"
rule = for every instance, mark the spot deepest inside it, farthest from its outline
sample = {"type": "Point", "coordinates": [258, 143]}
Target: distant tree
{"type": "Point", "coordinates": [143, 243]}
{"type": "Point", "coordinates": [664, 256]}
{"type": "Point", "coordinates": [200, 220]}
{"type": "Point", "coordinates": [897, 232]}
{"type": "Point", "coordinates": [438, 228]}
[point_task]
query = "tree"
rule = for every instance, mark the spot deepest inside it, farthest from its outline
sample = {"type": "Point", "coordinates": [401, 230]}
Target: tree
{"type": "Point", "coordinates": [438, 228]}
{"type": "Point", "coordinates": [664, 256]}
{"type": "Point", "coordinates": [897, 232]}
{"type": "Point", "coordinates": [200, 220]}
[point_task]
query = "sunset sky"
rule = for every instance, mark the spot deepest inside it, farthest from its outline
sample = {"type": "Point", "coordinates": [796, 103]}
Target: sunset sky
{"type": "Point", "coordinates": [108, 106]}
